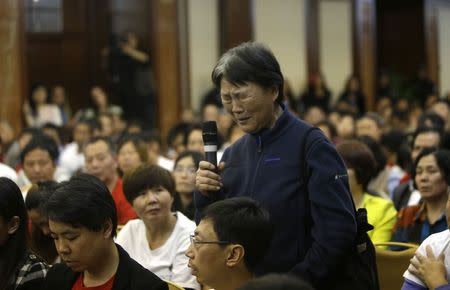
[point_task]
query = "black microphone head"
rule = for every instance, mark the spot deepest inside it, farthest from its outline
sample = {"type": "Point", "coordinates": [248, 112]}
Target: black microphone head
{"type": "Point", "coordinates": [209, 132]}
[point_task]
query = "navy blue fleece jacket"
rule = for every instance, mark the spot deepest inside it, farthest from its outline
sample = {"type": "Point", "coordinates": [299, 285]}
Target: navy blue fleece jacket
{"type": "Point", "coordinates": [314, 222]}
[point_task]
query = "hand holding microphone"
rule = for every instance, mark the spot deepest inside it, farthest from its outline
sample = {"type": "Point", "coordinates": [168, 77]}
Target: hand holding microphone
{"type": "Point", "coordinates": [207, 178]}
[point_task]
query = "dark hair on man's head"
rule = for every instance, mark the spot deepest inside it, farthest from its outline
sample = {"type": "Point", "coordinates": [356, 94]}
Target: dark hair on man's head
{"type": "Point", "coordinates": [14, 249]}
{"type": "Point", "coordinates": [87, 123]}
{"type": "Point", "coordinates": [378, 120]}
{"type": "Point", "coordinates": [330, 127]}
{"type": "Point", "coordinates": [196, 157]}
{"type": "Point", "coordinates": [190, 129]}
{"type": "Point", "coordinates": [145, 177]}
{"type": "Point", "coordinates": [359, 157]}
{"type": "Point", "coordinates": [43, 142]}
{"type": "Point", "coordinates": [39, 194]}
{"type": "Point", "coordinates": [29, 130]}
{"type": "Point", "coordinates": [250, 62]}
{"type": "Point", "coordinates": [377, 151]}
{"type": "Point", "coordinates": [178, 129]}
{"type": "Point", "coordinates": [276, 282]}
{"type": "Point", "coordinates": [242, 221]}
{"type": "Point", "coordinates": [106, 140]}
{"type": "Point", "coordinates": [424, 130]}
{"type": "Point", "coordinates": [442, 159]}
{"type": "Point", "coordinates": [83, 201]}
{"type": "Point", "coordinates": [431, 119]}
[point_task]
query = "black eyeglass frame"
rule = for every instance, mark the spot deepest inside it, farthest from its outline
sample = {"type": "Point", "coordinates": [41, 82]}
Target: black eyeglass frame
{"type": "Point", "coordinates": [196, 242]}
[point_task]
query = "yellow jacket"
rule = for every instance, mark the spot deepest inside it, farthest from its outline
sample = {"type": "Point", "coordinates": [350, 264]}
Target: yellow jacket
{"type": "Point", "coordinates": [382, 215]}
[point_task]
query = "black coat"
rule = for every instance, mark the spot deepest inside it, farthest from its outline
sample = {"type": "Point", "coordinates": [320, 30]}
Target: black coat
{"type": "Point", "coordinates": [129, 276]}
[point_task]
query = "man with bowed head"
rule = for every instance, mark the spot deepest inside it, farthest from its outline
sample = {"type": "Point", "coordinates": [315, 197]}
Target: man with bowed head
{"type": "Point", "coordinates": [312, 211]}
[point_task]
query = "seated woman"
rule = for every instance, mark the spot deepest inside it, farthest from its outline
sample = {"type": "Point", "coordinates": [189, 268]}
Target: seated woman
{"type": "Point", "coordinates": [41, 241]}
{"type": "Point", "coordinates": [430, 267]}
{"type": "Point", "coordinates": [131, 152]}
{"type": "Point", "coordinates": [159, 239]}
{"type": "Point", "coordinates": [19, 269]}
{"type": "Point", "coordinates": [416, 223]}
{"type": "Point", "coordinates": [186, 166]}
{"type": "Point", "coordinates": [361, 164]}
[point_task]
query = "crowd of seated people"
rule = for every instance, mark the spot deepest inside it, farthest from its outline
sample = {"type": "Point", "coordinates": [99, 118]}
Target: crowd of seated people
{"type": "Point", "coordinates": [395, 155]}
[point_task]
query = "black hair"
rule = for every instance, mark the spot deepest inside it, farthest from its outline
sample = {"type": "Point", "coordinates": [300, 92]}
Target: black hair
{"type": "Point", "coordinates": [30, 130]}
{"type": "Point", "coordinates": [379, 121]}
{"type": "Point", "coordinates": [88, 123]}
{"type": "Point", "coordinates": [377, 151]}
{"type": "Point", "coordinates": [330, 127]}
{"type": "Point", "coordinates": [250, 62]}
{"type": "Point", "coordinates": [108, 142]}
{"type": "Point", "coordinates": [423, 130]}
{"type": "Point", "coordinates": [83, 201]}
{"type": "Point", "coordinates": [190, 129]}
{"type": "Point", "coordinates": [54, 127]}
{"type": "Point", "coordinates": [144, 177]}
{"type": "Point", "coordinates": [14, 249]}
{"type": "Point", "coordinates": [435, 120]}
{"type": "Point", "coordinates": [33, 104]}
{"type": "Point", "coordinates": [39, 194]}
{"type": "Point", "coordinates": [179, 129]}
{"type": "Point", "coordinates": [277, 282]}
{"type": "Point", "coordinates": [240, 220]}
{"type": "Point", "coordinates": [44, 142]}
{"type": "Point", "coordinates": [196, 157]}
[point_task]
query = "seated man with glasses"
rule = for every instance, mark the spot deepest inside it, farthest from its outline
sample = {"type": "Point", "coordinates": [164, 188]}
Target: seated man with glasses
{"type": "Point", "coordinates": [232, 237]}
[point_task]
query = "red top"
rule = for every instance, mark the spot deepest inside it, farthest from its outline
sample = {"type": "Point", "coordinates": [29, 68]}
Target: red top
{"type": "Point", "coordinates": [78, 285]}
{"type": "Point", "coordinates": [124, 210]}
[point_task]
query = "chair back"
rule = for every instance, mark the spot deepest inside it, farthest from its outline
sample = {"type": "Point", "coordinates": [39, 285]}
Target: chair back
{"type": "Point", "coordinates": [392, 264]}
{"type": "Point", "coordinates": [173, 286]}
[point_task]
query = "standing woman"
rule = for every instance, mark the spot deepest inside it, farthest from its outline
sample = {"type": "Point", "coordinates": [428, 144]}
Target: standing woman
{"type": "Point", "coordinates": [186, 166]}
{"type": "Point", "coordinates": [19, 269]}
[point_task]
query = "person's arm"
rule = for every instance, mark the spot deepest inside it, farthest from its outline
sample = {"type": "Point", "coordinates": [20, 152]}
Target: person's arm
{"type": "Point", "coordinates": [135, 54]}
{"type": "Point", "coordinates": [332, 210]}
{"type": "Point", "coordinates": [410, 285]}
{"type": "Point", "coordinates": [382, 231]}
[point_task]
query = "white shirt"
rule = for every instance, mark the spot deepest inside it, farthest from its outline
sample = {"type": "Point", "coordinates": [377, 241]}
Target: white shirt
{"type": "Point", "coordinates": [166, 163]}
{"type": "Point", "coordinates": [168, 261]}
{"type": "Point", "coordinates": [6, 171]}
{"type": "Point", "coordinates": [439, 243]}
{"type": "Point", "coordinates": [71, 159]}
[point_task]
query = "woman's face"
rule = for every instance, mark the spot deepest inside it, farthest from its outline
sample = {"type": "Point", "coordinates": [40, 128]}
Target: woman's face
{"type": "Point", "coordinates": [153, 205]}
{"type": "Point", "coordinates": [128, 157]}
{"type": "Point", "coordinates": [429, 179]}
{"type": "Point", "coordinates": [184, 173]}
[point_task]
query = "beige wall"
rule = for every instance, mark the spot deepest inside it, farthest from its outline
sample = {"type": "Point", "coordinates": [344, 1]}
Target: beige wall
{"type": "Point", "coordinates": [281, 25]}
{"type": "Point", "coordinates": [335, 40]}
{"type": "Point", "coordinates": [203, 31]}
{"type": "Point", "coordinates": [444, 48]}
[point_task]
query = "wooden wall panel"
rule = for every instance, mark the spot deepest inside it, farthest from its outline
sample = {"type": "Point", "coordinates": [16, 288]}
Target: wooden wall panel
{"type": "Point", "coordinates": [312, 36]}
{"type": "Point", "coordinates": [235, 23]}
{"type": "Point", "coordinates": [12, 68]}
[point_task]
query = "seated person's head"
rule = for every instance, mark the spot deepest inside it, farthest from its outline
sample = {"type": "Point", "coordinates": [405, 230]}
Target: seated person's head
{"type": "Point", "coordinates": [131, 152]}
{"type": "Point", "coordinates": [39, 158]}
{"type": "Point", "coordinates": [82, 220]}
{"type": "Point", "coordinates": [150, 185]}
{"type": "Point", "coordinates": [100, 159]}
{"type": "Point", "coordinates": [277, 282]}
{"type": "Point", "coordinates": [231, 239]}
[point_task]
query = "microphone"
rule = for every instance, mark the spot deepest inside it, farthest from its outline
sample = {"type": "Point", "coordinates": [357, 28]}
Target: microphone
{"type": "Point", "coordinates": [210, 142]}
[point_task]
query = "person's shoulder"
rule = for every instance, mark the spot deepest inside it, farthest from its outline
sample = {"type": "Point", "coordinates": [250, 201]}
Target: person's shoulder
{"type": "Point", "coordinates": [132, 226]}
{"type": "Point", "coordinates": [377, 201]}
{"type": "Point", "coordinates": [184, 223]}
{"type": "Point", "coordinates": [8, 172]}
{"type": "Point", "coordinates": [437, 240]}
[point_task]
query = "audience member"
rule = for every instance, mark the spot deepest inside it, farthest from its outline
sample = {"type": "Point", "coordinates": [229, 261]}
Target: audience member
{"type": "Point", "coordinates": [194, 138]}
{"type": "Point", "coordinates": [83, 220]}
{"type": "Point", "coordinates": [176, 139]}
{"type": "Point", "coordinates": [186, 165]}
{"type": "Point", "coordinates": [317, 202]}
{"type": "Point", "coordinates": [371, 124]}
{"type": "Point", "coordinates": [159, 238]}
{"type": "Point", "coordinates": [19, 268]}
{"type": "Point", "coordinates": [431, 120]}
{"type": "Point", "coordinates": [35, 202]}
{"type": "Point", "coordinates": [346, 126]}
{"type": "Point", "coordinates": [416, 223]}
{"type": "Point", "coordinates": [37, 111]}
{"type": "Point", "coordinates": [328, 130]}
{"type": "Point", "coordinates": [314, 115]}
{"type": "Point", "coordinates": [12, 156]}
{"type": "Point", "coordinates": [6, 171]}
{"type": "Point", "coordinates": [131, 152]}
{"type": "Point", "coordinates": [229, 243]}
{"type": "Point", "coordinates": [59, 98]}
{"type": "Point", "coordinates": [101, 162]}
{"type": "Point", "coordinates": [155, 156]}
{"type": "Point", "coordinates": [442, 108]}
{"type": "Point", "coordinates": [316, 94]}
{"type": "Point", "coordinates": [361, 165]}
{"type": "Point", "coordinates": [353, 95]}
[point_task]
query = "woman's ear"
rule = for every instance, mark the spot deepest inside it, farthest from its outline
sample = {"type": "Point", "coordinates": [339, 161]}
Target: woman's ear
{"type": "Point", "coordinates": [13, 225]}
{"type": "Point", "coordinates": [235, 255]}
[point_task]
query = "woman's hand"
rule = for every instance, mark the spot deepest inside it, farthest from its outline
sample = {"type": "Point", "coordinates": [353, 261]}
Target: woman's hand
{"type": "Point", "coordinates": [207, 179]}
{"type": "Point", "coordinates": [430, 269]}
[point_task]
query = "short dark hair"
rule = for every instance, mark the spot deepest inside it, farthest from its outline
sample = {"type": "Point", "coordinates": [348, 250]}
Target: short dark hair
{"type": "Point", "coordinates": [108, 142]}
{"type": "Point", "coordinates": [359, 157]}
{"type": "Point", "coordinates": [436, 121]}
{"type": "Point", "coordinates": [196, 156]}
{"type": "Point", "coordinates": [250, 62]}
{"type": "Point", "coordinates": [138, 143]}
{"type": "Point", "coordinates": [83, 201]}
{"type": "Point", "coordinates": [442, 157]}
{"type": "Point", "coordinates": [243, 221]}
{"type": "Point", "coordinates": [379, 121]}
{"type": "Point", "coordinates": [424, 130]}
{"type": "Point", "coordinates": [277, 282]}
{"type": "Point", "coordinates": [192, 127]}
{"type": "Point", "coordinates": [44, 142]}
{"type": "Point", "coordinates": [39, 194]}
{"type": "Point", "coordinates": [144, 177]}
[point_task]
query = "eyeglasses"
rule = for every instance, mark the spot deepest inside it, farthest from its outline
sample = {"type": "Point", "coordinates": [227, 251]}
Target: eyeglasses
{"type": "Point", "coordinates": [196, 242]}
{"type": "Point", "coordinates": [188, 170]}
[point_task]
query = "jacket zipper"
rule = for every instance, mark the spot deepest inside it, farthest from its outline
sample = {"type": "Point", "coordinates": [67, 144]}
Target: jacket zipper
{"type": "Point", "coordinates": [257, 165]}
